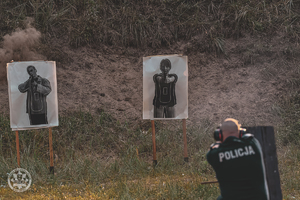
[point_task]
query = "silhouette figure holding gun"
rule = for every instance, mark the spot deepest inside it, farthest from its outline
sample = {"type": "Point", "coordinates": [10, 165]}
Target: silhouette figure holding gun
{"type": "Point", "coordinates": [37, 89]}
{"type": "Point", "coordinates": [165, 98]}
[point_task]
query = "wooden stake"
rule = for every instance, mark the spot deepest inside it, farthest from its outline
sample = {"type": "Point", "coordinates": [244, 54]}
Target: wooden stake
{"type": "Point", "coordinates": [18, 150]}
{"type": "Point", "coordinates": [186, 158]}
{"type": "Point", "coordinates": [209, 182]}
{"type": "Point", "coordinates": [51, 152]}
{"type": "Point", "coordinates": [153, 142]}
{"type": "Point", "coordinates": [137, 153]}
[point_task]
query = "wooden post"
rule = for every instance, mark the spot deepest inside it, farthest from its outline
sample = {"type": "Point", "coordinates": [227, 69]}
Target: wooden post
{"type": "Point", "coordinates": [137, 153]}
{"type": "Point", "coordinates": [186, 158]}
{"type": "Point", "coordinates": [209, 182]}
{"type": "Point", "coordinates": [51, 152]}
{"type": "Point", "coordinates": [18, 150]}
{"type": "Point", "coordinates": [153, 142]}
{"type": "Point", "coordinates": [266, 137]}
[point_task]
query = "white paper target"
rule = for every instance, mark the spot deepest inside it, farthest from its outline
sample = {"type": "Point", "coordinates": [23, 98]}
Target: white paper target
{"type": "Point", "coordinates": [32, 89]}
{"type": "Point", "coordinates": [165, 87]}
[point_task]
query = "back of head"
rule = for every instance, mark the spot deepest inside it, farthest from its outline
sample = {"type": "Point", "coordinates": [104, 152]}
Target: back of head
{"type": "Point", "coordinates": [230, 127]}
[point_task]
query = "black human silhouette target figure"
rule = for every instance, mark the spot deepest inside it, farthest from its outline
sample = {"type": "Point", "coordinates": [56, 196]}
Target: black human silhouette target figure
{"type": "Point", "coordinates": [37, 89]}
{"type": "Point", "coordinates": [165, 97]}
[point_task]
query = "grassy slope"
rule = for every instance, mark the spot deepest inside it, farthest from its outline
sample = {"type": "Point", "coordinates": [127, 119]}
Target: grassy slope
{"type": "Point", "coordinates": [93, 157]}
{"type": "Point", "coordinates": [153, 23]}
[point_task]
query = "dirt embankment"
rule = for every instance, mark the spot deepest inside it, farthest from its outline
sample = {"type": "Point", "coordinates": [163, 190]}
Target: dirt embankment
{"type": "Point", "coordinates": [245, 84]}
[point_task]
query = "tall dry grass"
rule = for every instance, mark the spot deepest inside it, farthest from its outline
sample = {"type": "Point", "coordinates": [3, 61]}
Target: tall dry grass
{"type": "Point", "coordinates": [153, 23]}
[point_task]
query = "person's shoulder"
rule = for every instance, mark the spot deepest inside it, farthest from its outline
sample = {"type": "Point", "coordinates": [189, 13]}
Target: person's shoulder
{"type": "Point", "coordinates": [41, 77]}
{"type": "Point", "coordinates": [174, 75]}
{"type": "Point", "coordinates": [155, 76]}
{"type": "Point", "coordinates": [215, 145]}
{"type": "Point", "coordinates": [44, 80]}
{"type": "Point", "coordinates": [250, 139]}
{"type": "Point", "coordinates": [248, 136]}
{"type": "Point", "coordinates": [213, 151]}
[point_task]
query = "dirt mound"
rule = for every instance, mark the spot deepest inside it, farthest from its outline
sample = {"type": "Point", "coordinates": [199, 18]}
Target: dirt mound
{"type": "Point", "coordinates": [244, 84]}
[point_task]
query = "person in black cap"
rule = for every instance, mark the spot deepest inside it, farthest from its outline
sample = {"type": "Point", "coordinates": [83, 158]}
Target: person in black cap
{"type": "Point", "coordinates": [165, 98]}
{"type": "Point", "coordinates": [37, 89]}
{"type": "Point", "coordinates": [237, 159]}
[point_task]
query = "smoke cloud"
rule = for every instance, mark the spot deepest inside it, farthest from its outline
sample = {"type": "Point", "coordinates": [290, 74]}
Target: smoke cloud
{"type": "Point", "coordinates": [20, 46]}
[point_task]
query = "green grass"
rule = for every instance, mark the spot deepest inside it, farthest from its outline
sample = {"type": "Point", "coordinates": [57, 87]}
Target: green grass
{"type": "Point", "coordinates": [289, 110]}
{"type": "Point", "coordinates": [98, 151]}
{"type": "Point", "coordinates": [148, 188]}
{"type": "Point", "coordinates": [101, 158]}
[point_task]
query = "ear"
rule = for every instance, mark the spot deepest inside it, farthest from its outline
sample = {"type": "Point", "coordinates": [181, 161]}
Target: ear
{"type": "Point", "coordinates": [242, 132]}
{"type": "Point", "coordinates": [218, 135]}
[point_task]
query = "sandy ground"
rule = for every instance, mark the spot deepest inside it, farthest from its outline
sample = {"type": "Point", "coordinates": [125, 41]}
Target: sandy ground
{"type": "Point", "coordinates": [246, 84]}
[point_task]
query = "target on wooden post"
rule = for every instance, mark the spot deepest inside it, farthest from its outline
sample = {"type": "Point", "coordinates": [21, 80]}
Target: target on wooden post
{"type": "Point", "coordinates": [165, 91]}
{"type": "Point", "coordinates": [32, 90]}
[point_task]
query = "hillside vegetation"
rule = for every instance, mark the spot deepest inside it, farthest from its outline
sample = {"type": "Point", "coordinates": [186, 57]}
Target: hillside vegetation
{"type": "Point", "coordinates": [98, 156]}
{"type": "Point", "coordinates": [153, 23]}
